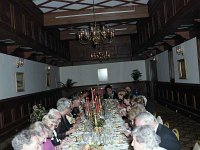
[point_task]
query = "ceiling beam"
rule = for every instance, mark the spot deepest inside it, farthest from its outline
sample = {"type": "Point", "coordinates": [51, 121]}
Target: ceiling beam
{"type": "Point", "coordinates": [9, 49]}
{"type": "Point", "coordinates": [184, 34]}
{"type": "Point", "coordinates": [102, 14]}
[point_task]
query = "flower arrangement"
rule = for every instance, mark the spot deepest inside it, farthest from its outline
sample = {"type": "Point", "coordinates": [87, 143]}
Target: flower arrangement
{"type": "Point", "coordinates": [38, 113]}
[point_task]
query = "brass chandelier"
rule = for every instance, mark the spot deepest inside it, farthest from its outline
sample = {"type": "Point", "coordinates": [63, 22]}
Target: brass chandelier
{"type": "Point", "coordinates": [100, 55]}
{"type": "Point", "coordinates": [96, 34]}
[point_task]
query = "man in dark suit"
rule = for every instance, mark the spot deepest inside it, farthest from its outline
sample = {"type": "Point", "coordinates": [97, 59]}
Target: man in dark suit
{"type": "Point", "coordinates": [168, 138]}
{"type": "Point", "coordinates": [109, 93]}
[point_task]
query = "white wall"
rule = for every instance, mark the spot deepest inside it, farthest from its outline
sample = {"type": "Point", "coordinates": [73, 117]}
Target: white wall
{"type": "Point", "coordinates": [191, 58]}
{"type": "Point", "coordinates": [117, 72]}
{"type": "Point", "coordinates": [148, 68]}
{"type": "Point", "coordinates": [34, 73]}
{"type": "Point", "coordinates": [162, 64]}
{"type": "Point", "coordinates": [163, 67]}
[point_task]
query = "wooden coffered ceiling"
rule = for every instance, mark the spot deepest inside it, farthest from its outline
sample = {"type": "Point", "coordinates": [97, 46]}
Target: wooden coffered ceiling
{"type": "Point", "coordinates": [69, 16]}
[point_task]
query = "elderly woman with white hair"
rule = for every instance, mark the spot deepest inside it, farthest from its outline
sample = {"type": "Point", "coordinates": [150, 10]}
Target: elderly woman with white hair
{"type": "Point", "coordinates": [145, 138]}
{"type": "Point", "coordinates": [64, 128]}
{"type": "Point", "coordinates": [39, 130]}
{"type": "Point", "coordinates": [25, 141]}
{"type": "Point", "coordinates": [51, 120]}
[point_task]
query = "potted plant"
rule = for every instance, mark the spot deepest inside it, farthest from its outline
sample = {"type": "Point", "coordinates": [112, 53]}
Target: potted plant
{"type": "Point", "coordinates": [68, 83]}
{"type": "Point", "coordinates": [136, 74]}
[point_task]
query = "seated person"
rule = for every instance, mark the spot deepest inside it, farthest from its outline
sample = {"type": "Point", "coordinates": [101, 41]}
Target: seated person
{"type": "Point", "coordinates": [64, 128]}
{"type": "Point", "coordinates": [75, 104]}
{"type": "Point", "coordinates": [85, 94]}
{"type": "Point", "coordinates": [127, 100]}
{"type": "Point", "coordinates": [25, 141]}
{"type": "Point", "coordinates": [168, 138]}
{"type": "Point", "coordinates": [128, 90]}
{"type": "Point", "coordinates": [136, 110]}
{"type": "Point", "coordinates": [121, 95]}
{"type": "Point", "coordinates": [51, 120]}
{"type": "Point", "coordinates": [40, 131]}
{"type": "Point", "coordinates": [139, 100]}
{"type": "Point", "coordinates": [109, 93]}
{"type": "Point", "coordinates": [145, 138]}
{"type": "Point", "coordinates": [150, 106]}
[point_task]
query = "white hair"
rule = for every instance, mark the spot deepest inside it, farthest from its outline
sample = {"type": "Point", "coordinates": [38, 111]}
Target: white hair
{"type": "Point", "coordinates": [24, 137]}
{"type": "Point", "coordinates": [147, 136]}
{"type": "Point", "coordinates": [38, 128]}
{"type": "Point", "coordinates": [146, 117]}
{"type": "Point", "coordinates": [145, 99]}
{"type": "Point", "coordinates": [63, 103]}
{"type": "Point", "coordinates": [53, 113]}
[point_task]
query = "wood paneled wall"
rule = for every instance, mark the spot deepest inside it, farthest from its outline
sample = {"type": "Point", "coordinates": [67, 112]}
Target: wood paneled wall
{"type": "Point", "coordinates": [180, 97]}
{"type": "Point", "coordinates": [14, 112]}
{"type": "Point", "coordinates": [23, 23]}
{"type": "Point", "coordinates": [162, 20]}
{"type": "Point", "coordinates": [120, 48]}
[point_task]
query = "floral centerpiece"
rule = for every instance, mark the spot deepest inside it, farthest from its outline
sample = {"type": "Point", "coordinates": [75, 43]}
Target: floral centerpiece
{"type": "Point", "coordinates": [38, 113]}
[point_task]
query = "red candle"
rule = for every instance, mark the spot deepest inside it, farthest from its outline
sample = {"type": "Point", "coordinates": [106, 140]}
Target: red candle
{"type": "Point", "coordinates": [92, 97]}
{"type": "Point", "coordinates": [87, 104]}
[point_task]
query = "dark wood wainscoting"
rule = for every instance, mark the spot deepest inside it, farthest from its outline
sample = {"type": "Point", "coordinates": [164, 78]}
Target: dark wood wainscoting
{"type": "Point", "coordinates": [184, 98]}
{"type": "Point", "coordinates": [14, 112]}
{"type": "Point", "coordinates": [143, 86]}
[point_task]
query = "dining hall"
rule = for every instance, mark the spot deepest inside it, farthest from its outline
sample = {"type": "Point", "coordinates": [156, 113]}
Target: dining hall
{"type": "Point", "coordinates": [99, 75]}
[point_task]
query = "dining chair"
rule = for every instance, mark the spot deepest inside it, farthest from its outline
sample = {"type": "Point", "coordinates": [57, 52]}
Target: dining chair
{"type": "Point", "coordinates": [166, 124]}
{"type": "Point", "coordinates": [197, 145]}
{"type": "Point", "coordinates": [176, 132]}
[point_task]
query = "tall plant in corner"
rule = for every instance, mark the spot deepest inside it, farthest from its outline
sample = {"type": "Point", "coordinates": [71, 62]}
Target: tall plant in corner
{"type": "Point", "coordinates": [136, 74]}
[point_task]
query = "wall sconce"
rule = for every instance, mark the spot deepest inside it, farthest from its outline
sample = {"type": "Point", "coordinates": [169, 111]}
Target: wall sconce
{"type": "Point", "coordinates": [19, 62]}
{"type": "Point", "coordinates": [48, 68]}
{"type": "Point", "coordinates": [179, 50]}
{"type": "Point", "coordinates": [154, 59]}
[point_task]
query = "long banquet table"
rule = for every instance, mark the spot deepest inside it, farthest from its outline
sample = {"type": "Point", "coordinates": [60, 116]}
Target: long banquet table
{"type": "Point", "coordinates": [110, 138]}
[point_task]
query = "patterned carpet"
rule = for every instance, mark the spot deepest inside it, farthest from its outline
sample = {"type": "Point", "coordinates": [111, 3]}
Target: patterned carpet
{"type": "Point", "coordinates": [189, 130]}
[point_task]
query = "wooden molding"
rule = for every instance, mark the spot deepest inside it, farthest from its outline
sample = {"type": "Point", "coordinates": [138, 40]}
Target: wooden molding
{"type": "Point", "coordinates": [27, 54]}
{"type": "Point", "coordinates": [171, 42]}
{"type": "Point", "coordinates": [184, 34]}
{"type": "Point", "coordinates": [9, 49]}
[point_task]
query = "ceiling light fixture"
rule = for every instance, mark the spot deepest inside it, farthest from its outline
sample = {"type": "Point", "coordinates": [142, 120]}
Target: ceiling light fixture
{"type": "Point", "coordinates": [120, 29]}
{"type": "Point", "coordinates": [100, 13]}
{"type": "Point", "coordinates": [96, 34]}
{"type": "Point", "coordinates": [100, 55]}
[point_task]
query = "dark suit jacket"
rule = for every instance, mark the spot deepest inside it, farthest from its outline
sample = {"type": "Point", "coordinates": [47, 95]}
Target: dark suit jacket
{"type": "Point", "coordinates": [114, 96]}
{"type": "Point", "coordinates": [168, 138]}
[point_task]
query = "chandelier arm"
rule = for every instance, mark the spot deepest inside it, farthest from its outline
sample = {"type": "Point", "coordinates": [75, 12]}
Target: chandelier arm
{"type": "Point", "coordinates": [94, 17]}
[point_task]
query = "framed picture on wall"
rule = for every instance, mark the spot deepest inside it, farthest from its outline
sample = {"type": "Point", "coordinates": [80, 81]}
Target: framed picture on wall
{"type": "Point", "coordinates": [20, 83]}
{"type": "Point", "coordinates": [48, 79]}
{"type": "Point", "coordinates": [182, 69]}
